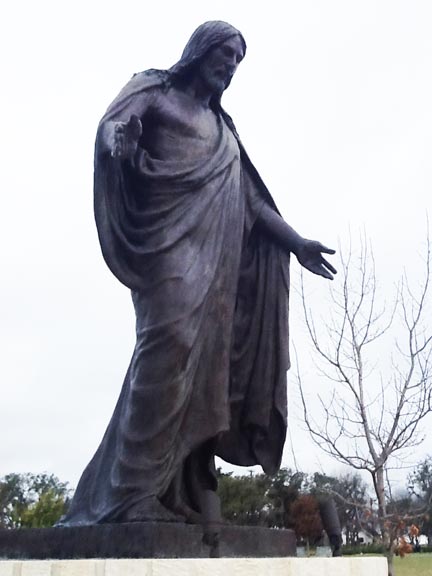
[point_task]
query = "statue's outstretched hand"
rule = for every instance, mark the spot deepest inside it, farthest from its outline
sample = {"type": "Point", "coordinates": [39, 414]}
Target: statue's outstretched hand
{"type": "Point", "coordinates": [125, 137]}
{"type": "Point", "coordinates": [309, 254]}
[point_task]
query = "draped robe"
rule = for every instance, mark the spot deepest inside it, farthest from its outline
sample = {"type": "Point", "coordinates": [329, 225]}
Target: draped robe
{"type": "Point", "coordinates": [210, 292]}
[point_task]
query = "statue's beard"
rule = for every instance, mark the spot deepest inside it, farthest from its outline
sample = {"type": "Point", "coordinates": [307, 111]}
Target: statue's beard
{"type": "Point", "coordinates": [217, 85]}
{"type": "Point", "coordinates": [216, 81]}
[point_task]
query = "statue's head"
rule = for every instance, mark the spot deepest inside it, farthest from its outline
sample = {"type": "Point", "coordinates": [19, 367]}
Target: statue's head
{"type": "Point", "coordinates": [214, 51]}
{"type": "Point", "coordinates": [217, 66]}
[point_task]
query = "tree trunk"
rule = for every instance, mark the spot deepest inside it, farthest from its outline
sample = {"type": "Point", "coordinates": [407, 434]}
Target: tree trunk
{"type": "Point", "coordinates": [379, 485]}
{"type": "Point", "coordinates": [390, 563]}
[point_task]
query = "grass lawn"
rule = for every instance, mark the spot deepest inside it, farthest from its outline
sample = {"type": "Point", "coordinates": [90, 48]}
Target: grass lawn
{"type": "Point", "coordinates": [414, 565]}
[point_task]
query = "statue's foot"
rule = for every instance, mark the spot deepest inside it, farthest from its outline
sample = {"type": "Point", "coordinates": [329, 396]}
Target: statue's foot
{"type": "Point", "coordinates": [190, 516]}
{"type": "Point", "coordinates": [211, 521]}
{"type": "Point", "coordinates": [150, 510]}
{"type": "Point", "coordinates": [336, 543]}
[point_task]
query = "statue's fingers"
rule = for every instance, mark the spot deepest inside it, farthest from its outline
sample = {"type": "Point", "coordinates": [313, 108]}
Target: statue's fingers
{"type": "Point", "coordinates": [318, 269]}
{"type": "Point", "coordinates": [119, 140]}
{"type": "Point", "coordinates": [327, 250]}
{"type": "Point", "coordinates": [325, 273]}
{"type": "Point", "coordinates": [117, 150]}
{"type": "Point", "coordinates": [135, 126]}
{"type": "Point", "coordinates": [321, 271]}
{"type": "Point", "coordinates": [328, 266]}
{"type": "Point", "coordinates": [134, 121]}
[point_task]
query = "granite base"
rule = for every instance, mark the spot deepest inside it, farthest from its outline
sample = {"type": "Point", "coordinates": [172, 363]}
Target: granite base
{"type": "Point", "coordinates": [144, 540]}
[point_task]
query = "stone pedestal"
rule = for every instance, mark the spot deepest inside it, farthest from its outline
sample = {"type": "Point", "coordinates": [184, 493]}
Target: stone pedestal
{"type": "Point", "coordinates": [144, 540]}
{"type": "Point", "coordinates": [370, 566]}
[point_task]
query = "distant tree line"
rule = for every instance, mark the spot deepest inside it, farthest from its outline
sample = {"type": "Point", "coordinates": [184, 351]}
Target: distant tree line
{"type": "Point", "coordinates": [32, 500]}
{"type": "Point", "coordinates": [291, 500]}
{"type": "Point", "coordinates": [288, 499]}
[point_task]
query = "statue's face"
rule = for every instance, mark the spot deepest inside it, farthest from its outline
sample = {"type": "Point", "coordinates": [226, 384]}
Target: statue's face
{"type": "Point", "coordinates": [219, 64]}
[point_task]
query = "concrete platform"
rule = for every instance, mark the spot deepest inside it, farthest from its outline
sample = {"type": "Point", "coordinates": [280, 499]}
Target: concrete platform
{"type": "Point", "coordinates": [370, 566]}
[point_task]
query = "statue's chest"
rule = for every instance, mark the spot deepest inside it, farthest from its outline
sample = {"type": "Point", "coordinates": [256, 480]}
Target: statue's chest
{"type": "Point", "coordinates": [177, 130]}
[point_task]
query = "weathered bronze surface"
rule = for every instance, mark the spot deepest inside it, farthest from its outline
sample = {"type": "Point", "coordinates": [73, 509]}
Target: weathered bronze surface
{"type": "Point", "coordinates": [185, 222]}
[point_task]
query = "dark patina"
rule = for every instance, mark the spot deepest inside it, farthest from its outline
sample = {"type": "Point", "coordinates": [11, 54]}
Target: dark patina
{"type": "Point", "coordinates": [186, 223]}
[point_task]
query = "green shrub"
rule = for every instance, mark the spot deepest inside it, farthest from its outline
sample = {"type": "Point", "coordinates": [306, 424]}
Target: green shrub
{"type": "Point", "coordinates": [374, 548]}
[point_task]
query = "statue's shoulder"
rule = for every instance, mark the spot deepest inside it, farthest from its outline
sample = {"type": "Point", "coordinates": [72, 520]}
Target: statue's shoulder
{"type": "Point", "coordinates": [139, 84]}
{"type": "Point", "coordinates": [153, 74]}
{"type": "Point", "coordinates": [148, 79]}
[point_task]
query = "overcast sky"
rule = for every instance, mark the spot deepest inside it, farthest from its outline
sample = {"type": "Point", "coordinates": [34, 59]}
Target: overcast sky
{"type": "Point", "coordinates": [333, 104]}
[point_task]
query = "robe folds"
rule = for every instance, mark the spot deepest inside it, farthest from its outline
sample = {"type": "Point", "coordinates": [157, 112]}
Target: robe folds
{"type": "Point", "coordinates": [210, 293]}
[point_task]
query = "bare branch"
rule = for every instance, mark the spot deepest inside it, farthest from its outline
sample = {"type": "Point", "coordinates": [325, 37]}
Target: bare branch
{"type": "Point", "coordinates": [369, 421]}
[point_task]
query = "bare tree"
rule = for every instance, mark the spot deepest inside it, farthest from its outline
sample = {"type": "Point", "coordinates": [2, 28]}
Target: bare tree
{"type": "Point", "coordinates": [372, 418]}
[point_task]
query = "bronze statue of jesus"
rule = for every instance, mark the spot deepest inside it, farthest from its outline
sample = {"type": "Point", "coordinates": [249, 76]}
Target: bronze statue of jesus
{"type": "Point", "coordinates": [185, 222]}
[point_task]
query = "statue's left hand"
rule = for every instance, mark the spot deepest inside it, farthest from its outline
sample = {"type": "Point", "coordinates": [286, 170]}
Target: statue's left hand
{"type": "Point", "coordinates": [125, 138]}
{"type": "Point", "coordinates": [309, 254]}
